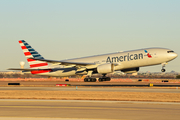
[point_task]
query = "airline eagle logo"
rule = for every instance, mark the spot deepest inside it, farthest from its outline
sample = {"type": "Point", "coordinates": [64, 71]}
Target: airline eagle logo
{"type": "Point", "coordinates": [149, 55]}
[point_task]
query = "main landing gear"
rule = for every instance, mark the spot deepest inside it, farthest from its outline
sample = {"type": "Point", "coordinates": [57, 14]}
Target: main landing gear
{"type": "Point", "coordinates": [163, 65]}
{"type": "Point", "coordinates": [90, 79]}
{"type": "Point", "coordinates": [104, 78]}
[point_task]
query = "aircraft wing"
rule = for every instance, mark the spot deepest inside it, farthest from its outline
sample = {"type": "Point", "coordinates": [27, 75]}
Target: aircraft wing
{"type": "Point", "coordinates": [26, 69]}
{"type": "Point", "coordinates": [63, 62]}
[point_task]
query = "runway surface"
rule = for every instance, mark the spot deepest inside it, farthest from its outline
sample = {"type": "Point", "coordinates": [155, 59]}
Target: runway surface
{"type": "Point", "coordinates": [106, 89]}
{"type": "Point", "coordinates": [87, 110]}
{"type": "Point", "coordinates": [94, 84]}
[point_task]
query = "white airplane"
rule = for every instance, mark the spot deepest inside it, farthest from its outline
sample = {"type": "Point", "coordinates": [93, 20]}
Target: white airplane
{"type": "Point", "coordinates": [127, 62]}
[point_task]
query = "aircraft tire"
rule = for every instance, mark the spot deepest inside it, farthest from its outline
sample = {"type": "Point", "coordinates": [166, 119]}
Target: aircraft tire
{"type": "Point", "coordinates": [89, 79]}
{"type": "Point", "coordinates": [100, 80]}
{"type": "Point", "coordinates": [163, 70]}
{"type": "Point", "coordinates": [104, 79]}
{"type": "Point", "coordinates": [108, 78]}
{"type": "Point", "coordinates": [93, 79]}
{"type": "Point", "coordinates": [85, 79]}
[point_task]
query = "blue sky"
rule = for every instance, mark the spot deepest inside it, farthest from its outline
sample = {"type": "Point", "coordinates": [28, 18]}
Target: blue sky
{"type": "Point", "coordinates": [63, 29]}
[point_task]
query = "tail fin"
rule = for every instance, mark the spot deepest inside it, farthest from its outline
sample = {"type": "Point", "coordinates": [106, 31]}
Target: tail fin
{"type": "Point", "coordinates": [29, 52]}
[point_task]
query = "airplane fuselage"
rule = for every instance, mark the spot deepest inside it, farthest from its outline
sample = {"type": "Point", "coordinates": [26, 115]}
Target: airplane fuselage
{"type": "Point", "coordinates": [123, 60]}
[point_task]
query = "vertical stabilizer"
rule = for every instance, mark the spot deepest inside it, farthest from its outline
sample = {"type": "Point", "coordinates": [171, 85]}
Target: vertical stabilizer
{"type": "Point", "coordinates": [29, 52]}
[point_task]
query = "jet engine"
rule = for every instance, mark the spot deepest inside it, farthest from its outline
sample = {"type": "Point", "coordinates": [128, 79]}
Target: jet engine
{"type": "Point", "coordinates": [130, 70]}
{"type": "Point", "coordinates": [105, 68]}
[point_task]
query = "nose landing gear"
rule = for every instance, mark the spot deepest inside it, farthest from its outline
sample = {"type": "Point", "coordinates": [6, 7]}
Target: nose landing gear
{"type": "Point", "coordinates": [163, 70]}
{"type": "Point", "coordinates": [163, 65]}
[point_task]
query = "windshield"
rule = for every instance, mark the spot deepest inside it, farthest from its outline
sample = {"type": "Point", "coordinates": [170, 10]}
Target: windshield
{"type": "Point", "coordinates": [170, 51]}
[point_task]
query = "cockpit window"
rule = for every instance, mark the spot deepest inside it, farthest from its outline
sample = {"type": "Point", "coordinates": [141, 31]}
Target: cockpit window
{"type": "Point", "coordinates": [170, 51]}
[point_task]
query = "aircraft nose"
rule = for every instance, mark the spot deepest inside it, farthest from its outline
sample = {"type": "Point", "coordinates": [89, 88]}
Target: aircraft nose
{"type": "Point", "coordinates": [173, 55]}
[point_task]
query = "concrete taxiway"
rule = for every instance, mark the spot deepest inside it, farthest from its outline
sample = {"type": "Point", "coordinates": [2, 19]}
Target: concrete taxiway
{"type": "Point", "coordinates": [73, 109]}
{"type": "Point", "coordinates": [105, 89]}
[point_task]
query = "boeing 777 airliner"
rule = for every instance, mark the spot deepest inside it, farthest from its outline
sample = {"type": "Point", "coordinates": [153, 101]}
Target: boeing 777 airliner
{"type": "Point", "coordinates": [127, 62]}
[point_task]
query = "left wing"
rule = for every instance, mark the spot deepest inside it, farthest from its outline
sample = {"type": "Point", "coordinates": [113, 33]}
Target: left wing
{"type": "Point", "coordinates": [64, 63]}
{"type": "Point", "coordinates": [27, 69]}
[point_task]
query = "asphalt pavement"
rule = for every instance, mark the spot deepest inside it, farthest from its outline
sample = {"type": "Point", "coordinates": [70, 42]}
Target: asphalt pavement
{"type": "Point", "coordinates": [87, 110]}
{"type": "Point", "coordinates": [105, 89]}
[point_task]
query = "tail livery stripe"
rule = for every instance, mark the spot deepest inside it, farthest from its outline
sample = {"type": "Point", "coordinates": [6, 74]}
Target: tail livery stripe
{"type": "Point", "coordinates": [31, 49]}
{"type": "Point", "coordinates": [25, 50]}
{"type": "Point", "coordinates": [35, 62]}
{"type": "Point", "coordinates": [34, 52]}
{"type": "Point", "coordinates": [38, 65]}
{"type": "Point", "coordinates": [27, 53]}
{"type": "Point", "coordinates": [30, 60]}
{"type": "Point", "coordinates": [23, 47]}
{"type": "Point", "coordinates": [20, 41]}
{"type": "Point", "coordinates": [40, 71]}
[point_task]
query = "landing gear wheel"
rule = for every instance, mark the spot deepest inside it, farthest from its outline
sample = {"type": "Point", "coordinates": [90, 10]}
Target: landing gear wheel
{"type": "Point", "coordinates": [108, 79]}
{"type": "Point", "coordinates": [163, 70]}
{"type": "Point", "coordinates": [104, 79]}
{"type": "Point", "coordinates": [89, 79]}
{"type": "Point", "coordinates": [163, 65]}
{"type": "Point", "coordinates": [85, 79]}
{"type": "Point", "coordinates": [100, 80]}
{"type": "Point", "coordinates": [93, 80]}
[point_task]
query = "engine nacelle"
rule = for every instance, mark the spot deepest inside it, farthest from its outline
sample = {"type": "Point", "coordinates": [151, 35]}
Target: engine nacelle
{"type": "Point", "coordinates": [105, 68]}
{"type": "Point", "coordinates": [130, 70]}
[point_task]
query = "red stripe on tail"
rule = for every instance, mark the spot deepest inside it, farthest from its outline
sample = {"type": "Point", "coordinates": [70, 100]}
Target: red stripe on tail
{"type": "Point", "coordinates": [27, 53]}
{"type": "Point", "coordinates": [23, 47]}
{"type": "Point", "coordinates": [30, 60]}
{"type": "Point", "coordinates": [38, 65]}
{"type": "Point", "coordinates": [40, 71]}
{"type": "Point", "coordinates": [20, 41]}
